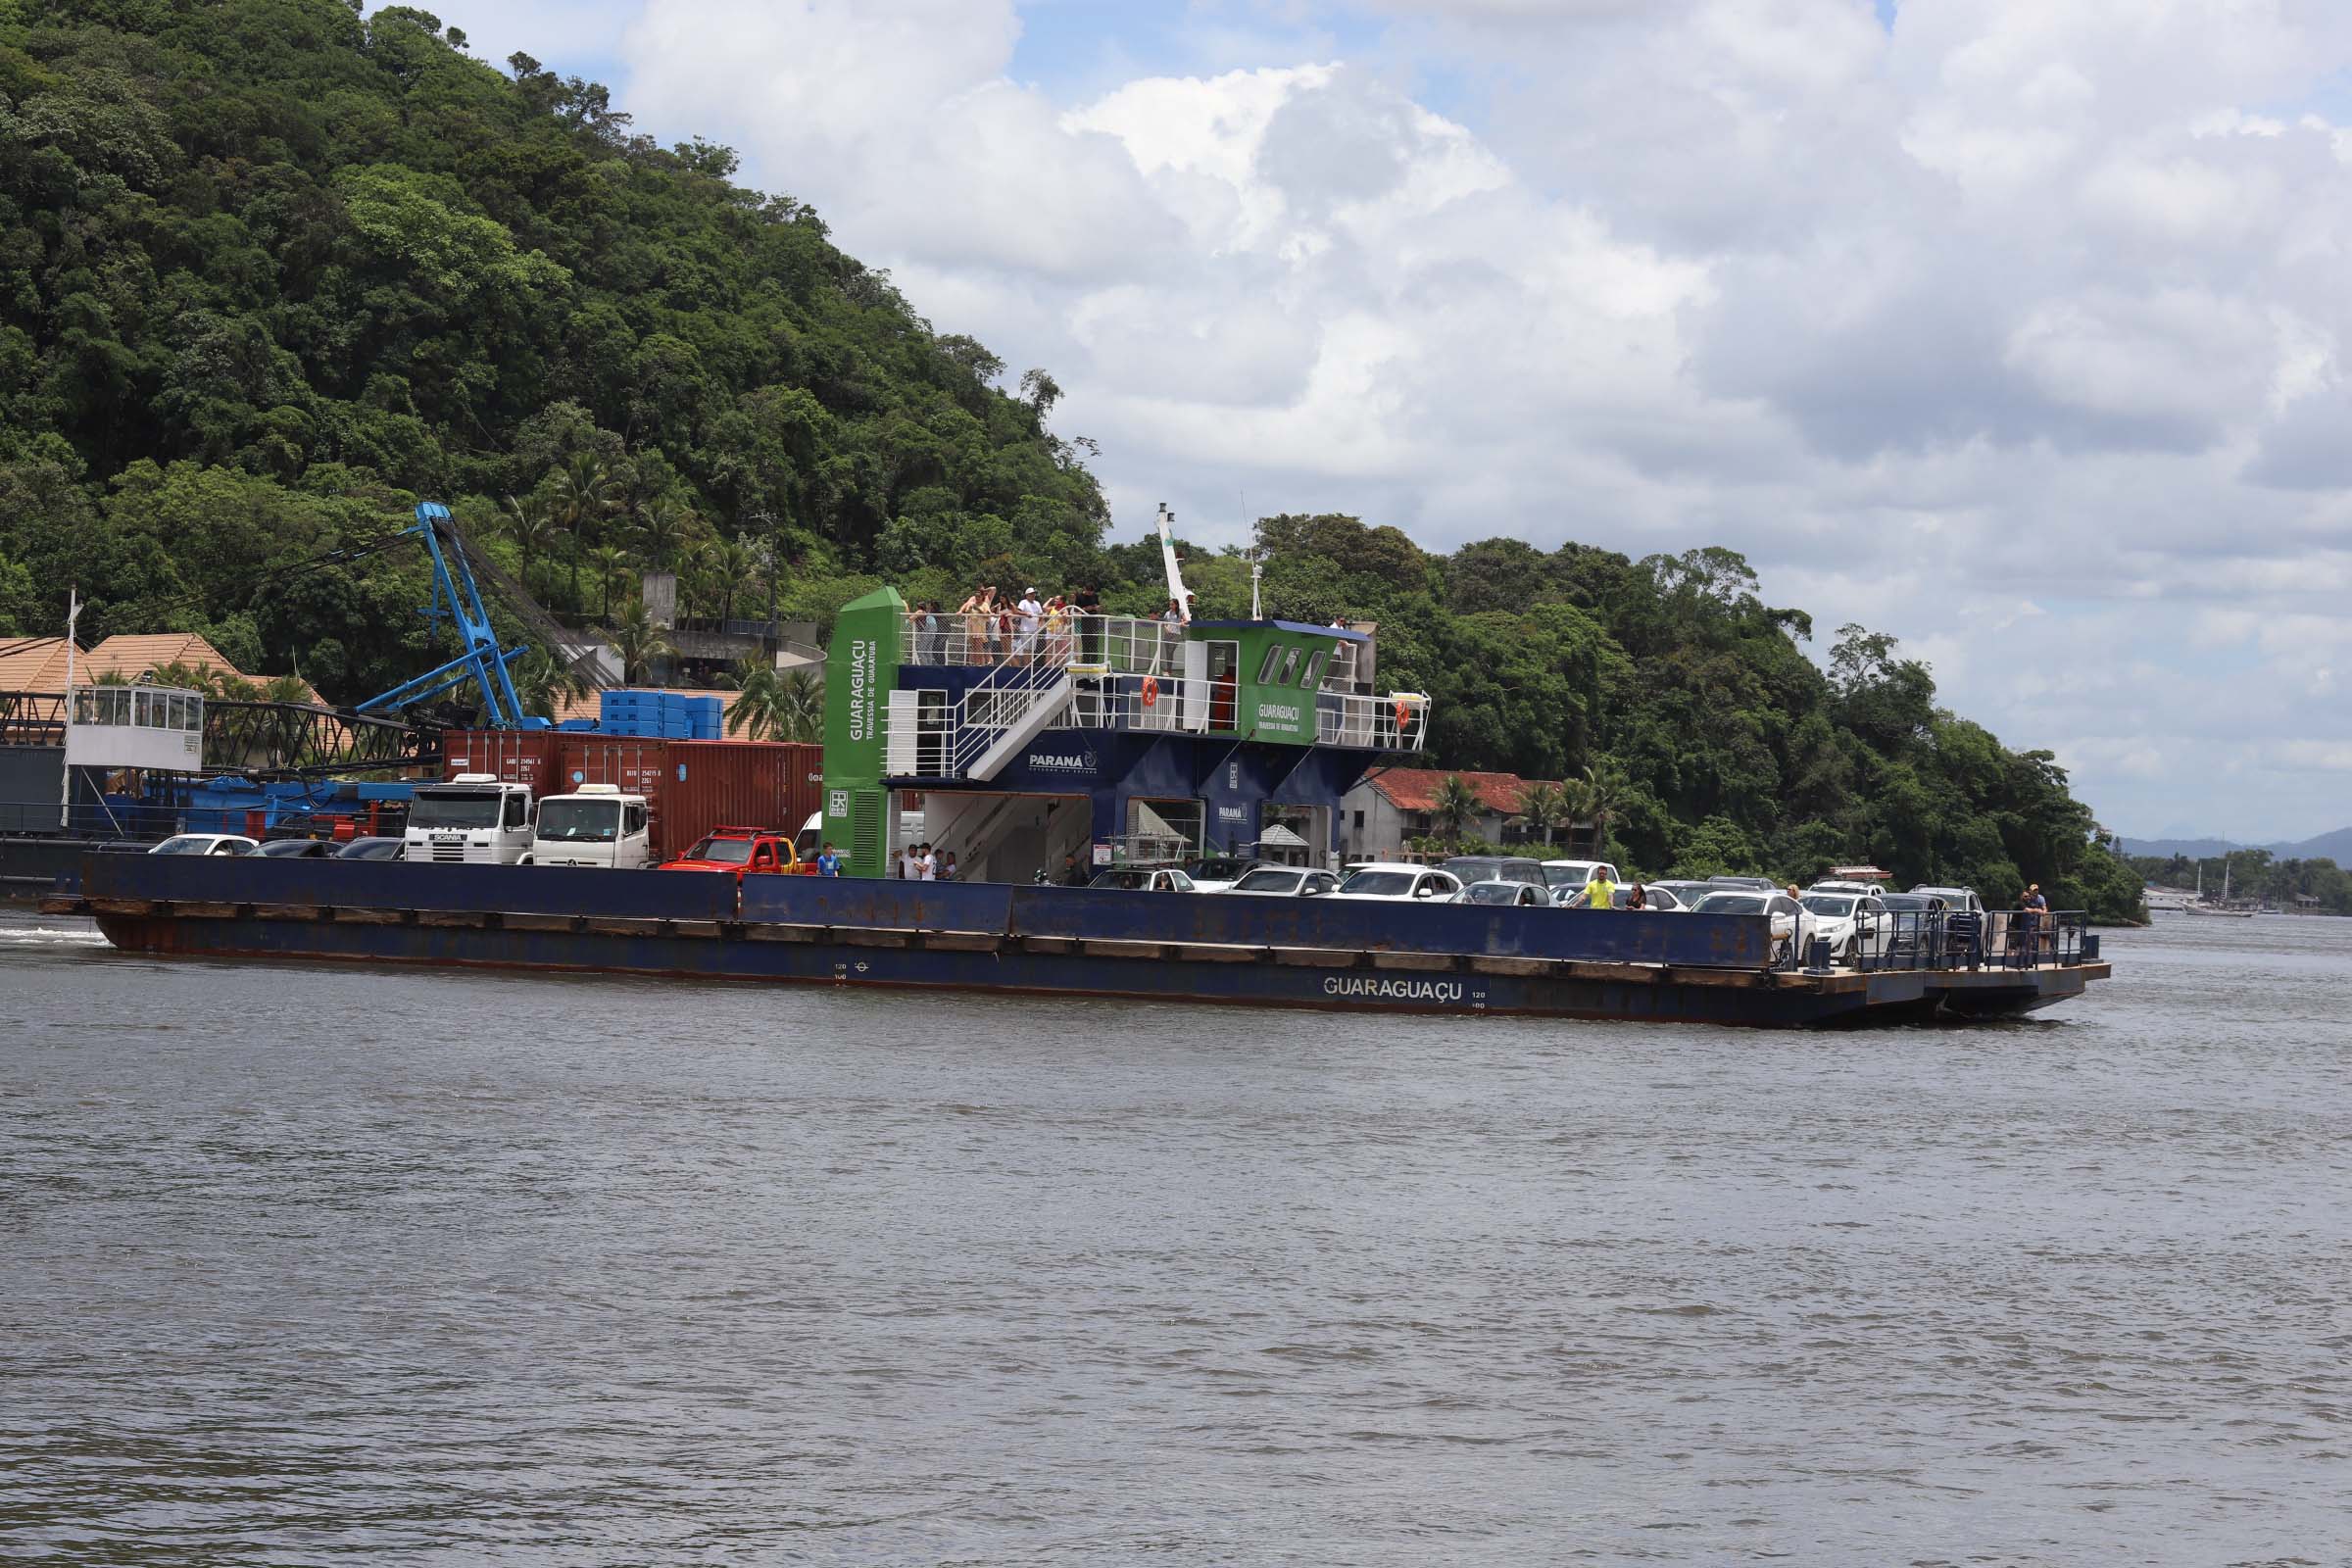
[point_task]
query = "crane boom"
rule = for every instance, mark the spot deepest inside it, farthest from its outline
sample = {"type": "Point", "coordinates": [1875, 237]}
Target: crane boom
{"type": "Point", "coordinates": [480, 660]}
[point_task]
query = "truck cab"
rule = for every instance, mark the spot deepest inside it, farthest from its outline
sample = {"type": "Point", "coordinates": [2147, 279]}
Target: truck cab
{"type": "Point", "coordinates": [472, 820]}
{"type": "Point", "coordinates": [596, 825]}
{"type": "Point", "coordinates": [745, 852]}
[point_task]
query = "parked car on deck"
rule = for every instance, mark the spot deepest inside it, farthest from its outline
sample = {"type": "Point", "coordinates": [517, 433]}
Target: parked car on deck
{"type": "Point", "coordinates": [1967, 926]}
{"type": "Point", "coordinates": [1750, 884]}
{"type": "Point", "coordinates": [206, 844]}
{"type": "Point", "coordinates": [1397, 882]}
{"type": "Point", "coordinates": [1689, 893]}
{"type": "Point", "coordinates": [741, 852]}
{"type": "Point", "coordinates": [297, 850]}
{"type": "Point", "coordinates": [1217, 872]}
{"type": "Point", "coordinates": [1143, 879]}
{"type": "Point", "coordinates": [1851, 923]}
{"type": "Point", "coordinates": [1524, 895]}
{"type": "Point", "coordinates": [1790, 920]}
{"type": "Point", "coordinates": [377, 848]}
{"type": "Point", "coordinates": [1284, 881]}
{"type": "Point", "coordinates": [1469, 868]}
{"type": "Point", "coordinates": [1911, 917]}
{"type": "Point", "coordinates": [1575, 875]}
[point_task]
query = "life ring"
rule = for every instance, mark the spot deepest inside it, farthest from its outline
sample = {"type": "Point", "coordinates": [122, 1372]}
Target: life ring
{"type": "Point", "coordinates": [1150, 690]}
{"type": "Point", "coordinates": [1404, 712]}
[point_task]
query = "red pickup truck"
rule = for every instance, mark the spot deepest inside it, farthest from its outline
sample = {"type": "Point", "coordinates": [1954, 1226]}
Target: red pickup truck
{"type": "Point", "coordinates": [745, 852]}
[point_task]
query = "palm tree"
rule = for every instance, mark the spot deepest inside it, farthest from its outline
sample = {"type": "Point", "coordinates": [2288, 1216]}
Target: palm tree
{"type": "Point", "coordinates": [753, 712]}
{"type": "Point", "coordinates": [1544, 806]}
{"type": "Point", "coordinates": [662, 525]}
{"type": "Point", "coordinates": [732, 562]}
{"type": "Point", "coordinates": [611, 568]}
{"type": "Point", "coordinates": [543, 682]}
{"type": "Point", "coordinates": [638, 641]}
{"type": "Point", "coordinates": [585, 492]}
{"type": "Point", "coordinates": [531, 526]}
{"type": "Point", "coordinates": [1456, 804]}
{"type": "Point", "coordinates": [1606, 786]}
{"type": "Point", "coordinates": [803, 708]}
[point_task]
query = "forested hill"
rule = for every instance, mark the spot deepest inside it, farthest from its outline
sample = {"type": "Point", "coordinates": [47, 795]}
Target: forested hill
{"type": "Point", "coordinates": [269, 271]}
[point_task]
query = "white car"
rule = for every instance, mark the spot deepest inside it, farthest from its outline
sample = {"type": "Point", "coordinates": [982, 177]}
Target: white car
{"type": "Point", "coordinates": [1789, 918]}
{"type": "Point", "coordinates": [206, 844]}
{"type": "Point", "coordinates": [1521, 895]}
{"type": "Point", "coordinates": [1219, 872]}
{"type": "Point", "coordinates": [1143, 879]}
{"type": "Point", "coordinates": [1851, 923]}
{"type": "Point", "coordinates": [1842, 887]}
{"type": "Point", "coordinates": [1284, 882]}
{"type": "Point", "coordinates": [1572, 876]}
{"type": "Point", "coordinates": [1654, 897]}
{"type": "Point", "coordinates": [1395, 882]}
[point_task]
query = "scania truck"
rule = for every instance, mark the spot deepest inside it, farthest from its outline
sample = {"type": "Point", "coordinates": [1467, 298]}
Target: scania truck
{"type": "Point", "coordinates": [472, 820]}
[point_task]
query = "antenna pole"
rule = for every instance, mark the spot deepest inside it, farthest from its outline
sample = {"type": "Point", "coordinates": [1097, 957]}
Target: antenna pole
{"type": "Point", "coordinates": [64, 769]}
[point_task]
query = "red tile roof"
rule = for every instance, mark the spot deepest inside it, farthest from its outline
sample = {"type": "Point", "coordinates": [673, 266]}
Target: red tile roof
{"type": "Point", "coordinates": [1415, 789]}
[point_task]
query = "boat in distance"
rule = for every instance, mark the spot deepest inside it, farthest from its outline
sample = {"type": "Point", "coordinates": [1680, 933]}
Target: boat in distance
{"type": "Point", "coordinates": [994, 937]}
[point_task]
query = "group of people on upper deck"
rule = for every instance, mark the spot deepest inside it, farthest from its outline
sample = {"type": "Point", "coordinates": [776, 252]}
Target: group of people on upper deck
{"type": "Point", "coordinates": [992, 627]}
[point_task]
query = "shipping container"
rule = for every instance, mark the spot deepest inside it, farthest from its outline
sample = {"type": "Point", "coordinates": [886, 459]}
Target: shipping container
{"type": "Point", "coordinates": [526, 757]}
{"type": "Point", "coordinates": [691, 787]}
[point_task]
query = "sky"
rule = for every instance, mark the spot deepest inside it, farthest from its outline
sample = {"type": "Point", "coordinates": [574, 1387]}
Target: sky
{"type": "Point", "coordinates": [2016, 329]}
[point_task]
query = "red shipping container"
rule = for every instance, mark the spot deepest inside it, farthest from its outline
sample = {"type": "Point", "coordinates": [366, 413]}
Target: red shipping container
{"type": "Point", "coordinates": [691, 787]}
{"type": "Point", "coordinates": [526, 757]}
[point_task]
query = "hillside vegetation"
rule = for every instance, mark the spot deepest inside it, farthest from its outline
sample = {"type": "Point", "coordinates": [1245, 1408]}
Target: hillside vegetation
{"type": "Point", "coordinates": [269, 271]}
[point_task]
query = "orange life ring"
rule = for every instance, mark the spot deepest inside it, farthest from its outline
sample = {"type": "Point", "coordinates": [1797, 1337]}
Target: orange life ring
{"type": "Point", "coordinates": [1150, 690]}
{"type": "Point", "coordinates": [1404, 712]}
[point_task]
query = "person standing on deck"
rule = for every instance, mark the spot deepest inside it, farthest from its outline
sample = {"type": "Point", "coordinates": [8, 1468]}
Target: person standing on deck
{"type": "Point", "coordinates": [1600, 893]}
{"type": "Point", "coordinates": [828, 863]}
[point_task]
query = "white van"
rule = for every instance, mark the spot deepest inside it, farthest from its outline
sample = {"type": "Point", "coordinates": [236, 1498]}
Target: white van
{"type": "Point", "coordinates": [473, 819]}
{"type": "Point", "coordinates": [594, 825]}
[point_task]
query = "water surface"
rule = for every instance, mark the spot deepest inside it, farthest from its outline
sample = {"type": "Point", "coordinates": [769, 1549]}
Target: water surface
{"type": "Point", "coordinates": [301, 1265]}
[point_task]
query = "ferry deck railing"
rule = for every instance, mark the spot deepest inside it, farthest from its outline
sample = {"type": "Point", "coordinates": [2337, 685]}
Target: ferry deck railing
{"type": "Point", "coordinates": [1945, 940]}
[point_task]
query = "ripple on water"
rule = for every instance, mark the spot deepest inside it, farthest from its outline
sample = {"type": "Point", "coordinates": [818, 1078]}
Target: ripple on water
{"type": "Point", "coordinates": [317, 1263]}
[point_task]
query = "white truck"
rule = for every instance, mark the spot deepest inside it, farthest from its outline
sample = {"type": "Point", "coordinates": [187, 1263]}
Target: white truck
{"type": "Point", "coordinates": [472, 820]}
{"type": "Point", "coordinates": [595, 824]}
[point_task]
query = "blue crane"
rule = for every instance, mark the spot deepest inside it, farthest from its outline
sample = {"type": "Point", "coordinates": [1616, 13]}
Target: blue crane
{"type": "Point", "coordinates": [456, 597]}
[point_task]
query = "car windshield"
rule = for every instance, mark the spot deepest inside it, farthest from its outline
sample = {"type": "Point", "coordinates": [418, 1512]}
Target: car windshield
{"type": "Point", "coordinates": [1834, 905]}
{"type": "Point", "coordinates": [289, 849]}
{"type": "Point", "coordinates": [1122, 879]}
{"type": "Point", "coordinates": [1268, 882]}
{"type": "Point", "coordinates": [1567, 873]}
{"type": "Point", "coordinates": [1492, 892]}
{"type": "Point", "coordinates": [1909, 903]}
{"type": "Point", "coordinates": [1731, 903]}
{"type": "Point", "coordinates": [1379, 884]}
{"type": "Point", "coordinates": [1218, 870]}
{"type": "Point", "coordinates": [371, 849]}
{"type": "Point", "coordinates": [447, 808]}
{"type": "Point", "coordinates": [185, 843]}
{"type": "Point", "coordinates": [571, 821]}
{"type": "Point", "coordinates": [726, 852]}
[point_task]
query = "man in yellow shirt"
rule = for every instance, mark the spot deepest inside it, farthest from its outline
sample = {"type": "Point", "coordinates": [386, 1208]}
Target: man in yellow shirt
{"type": "Point", "coordinates": [1600, 893]}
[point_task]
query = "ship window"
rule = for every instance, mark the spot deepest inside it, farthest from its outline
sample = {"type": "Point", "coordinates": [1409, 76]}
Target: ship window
{"type": "Point", "coordinates": [1265, 670]}
{"type": "Point", "coordinates": [1290, 667]}
{"type": "Point", "coordinates": [1314, 669]}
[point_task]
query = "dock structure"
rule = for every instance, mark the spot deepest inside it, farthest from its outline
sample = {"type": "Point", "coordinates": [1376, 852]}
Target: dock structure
{"type": "Point", "coordinates": [1359, 956]}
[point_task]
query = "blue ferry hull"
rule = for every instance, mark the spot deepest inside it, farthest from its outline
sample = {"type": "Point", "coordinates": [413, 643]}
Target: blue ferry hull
{"type": "Point", "coordinates": [1167, 947]}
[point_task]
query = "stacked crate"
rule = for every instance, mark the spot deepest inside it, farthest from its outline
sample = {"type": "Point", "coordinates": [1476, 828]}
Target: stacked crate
{"type": "Point", "coordinates": [662, 715]}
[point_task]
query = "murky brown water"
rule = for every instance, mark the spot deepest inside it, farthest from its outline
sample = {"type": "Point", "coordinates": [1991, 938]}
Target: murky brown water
{"type": "Point", "coordinates": [300, 1264]}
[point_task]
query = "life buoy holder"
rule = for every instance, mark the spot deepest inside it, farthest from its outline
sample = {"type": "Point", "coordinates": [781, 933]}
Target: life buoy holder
{"type": "Point", "coordinates": [1150, 690]}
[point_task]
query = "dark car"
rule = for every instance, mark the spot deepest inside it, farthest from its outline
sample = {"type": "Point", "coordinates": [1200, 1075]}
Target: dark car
{"type": "Point", "coordinates": [297, 850]}
{"type": "Point", "coordinates": [369, 850]}
{"type": "Point", "coordinates": [1494, 868]}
